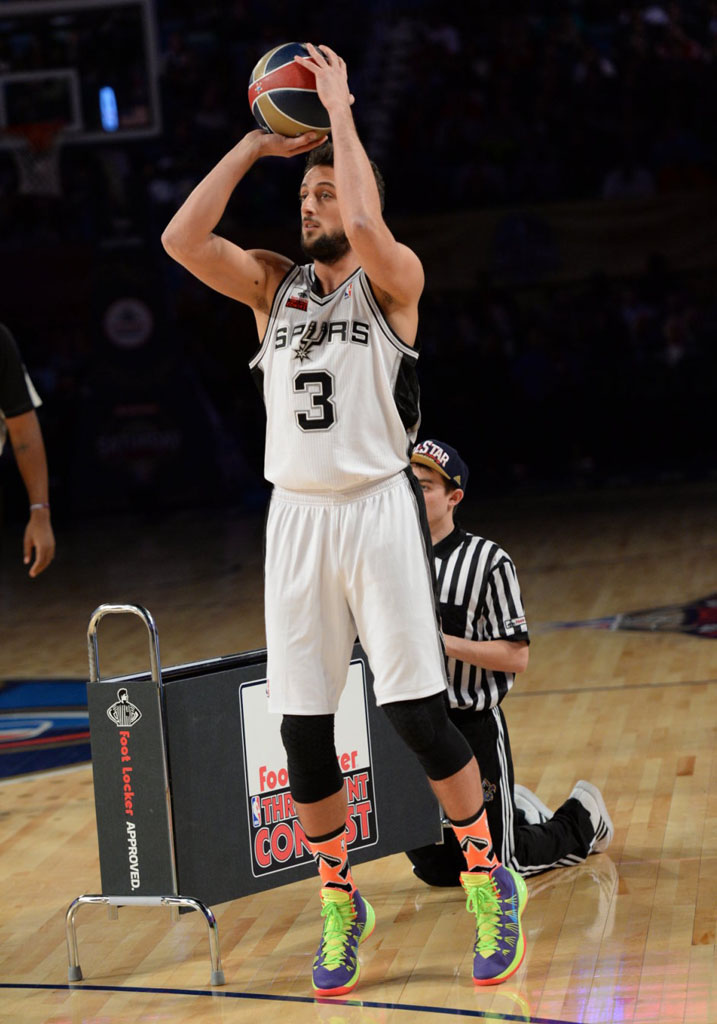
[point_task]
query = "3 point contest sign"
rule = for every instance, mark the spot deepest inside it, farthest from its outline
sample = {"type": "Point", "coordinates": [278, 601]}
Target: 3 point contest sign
{"type": "Point", "coordinates": [276, 837]}
{"type": "Point", "coordinates": [233, 829]}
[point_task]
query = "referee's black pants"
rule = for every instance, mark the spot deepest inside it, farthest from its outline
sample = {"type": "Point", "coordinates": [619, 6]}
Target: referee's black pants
{"type": "Point", "coordinates": [562, 841]}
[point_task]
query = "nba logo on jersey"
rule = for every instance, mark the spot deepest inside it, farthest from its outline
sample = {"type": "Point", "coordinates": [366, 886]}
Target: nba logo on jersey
{"type": "Point", "coordinates": [347, 293]}
{"type": "Point", "coordinates": [255, 811]}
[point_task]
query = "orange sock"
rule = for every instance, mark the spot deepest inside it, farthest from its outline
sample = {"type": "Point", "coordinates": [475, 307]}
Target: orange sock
{"type": "Point", "coordinates": [476, 843]}
{"type": "Point", "coordinates": [332, 860]}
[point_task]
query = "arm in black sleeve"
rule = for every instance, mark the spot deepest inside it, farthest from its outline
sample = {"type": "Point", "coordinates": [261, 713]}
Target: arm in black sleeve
{"type": "Point", "coordinates": [15, 398]}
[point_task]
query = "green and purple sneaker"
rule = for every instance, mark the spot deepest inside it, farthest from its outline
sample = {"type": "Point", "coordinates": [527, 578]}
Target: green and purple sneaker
{"type": "Point", "coordinates": [348, 920]}
{"type": "Point", "coordinates": [497, 899]}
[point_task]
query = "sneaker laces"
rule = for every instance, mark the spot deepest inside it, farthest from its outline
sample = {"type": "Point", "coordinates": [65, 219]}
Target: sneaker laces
{"type": "Point", "coordinates": [337, 925]}
{"type": "Point", "coordinates": [484, 901]}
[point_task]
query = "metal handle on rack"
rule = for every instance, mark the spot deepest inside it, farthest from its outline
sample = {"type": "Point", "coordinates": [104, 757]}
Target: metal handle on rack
{"type": "Point", "coordinates": [113, 609]}
{"type": "Point", "coordinates": [94, 663]}
{"type": "Point", "coordinates": [172, 900]}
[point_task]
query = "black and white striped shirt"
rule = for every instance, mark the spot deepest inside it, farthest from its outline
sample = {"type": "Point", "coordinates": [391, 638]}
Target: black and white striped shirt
{"type": "Point", "coordinates": [480, 599]}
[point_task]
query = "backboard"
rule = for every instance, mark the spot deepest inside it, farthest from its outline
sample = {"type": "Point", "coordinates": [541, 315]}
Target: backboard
{"type": "Point", "coordinates": [90, 65]}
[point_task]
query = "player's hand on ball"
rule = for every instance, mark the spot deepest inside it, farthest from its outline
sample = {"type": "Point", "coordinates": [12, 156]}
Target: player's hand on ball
{"type": "Point", "coordinates": [331, 75]}
{"type": "Point", "coordinates": [270, 144]}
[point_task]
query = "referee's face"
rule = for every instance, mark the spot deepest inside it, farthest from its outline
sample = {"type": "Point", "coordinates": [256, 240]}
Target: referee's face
{"type": "Point", "coordinates": [440, 502]}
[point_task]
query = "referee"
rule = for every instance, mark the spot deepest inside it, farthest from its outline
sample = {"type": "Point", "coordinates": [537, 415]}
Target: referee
{"type": "Point", "coordinates": [486, 638]}
{"type": "Point", "coordinates": [18, 420]}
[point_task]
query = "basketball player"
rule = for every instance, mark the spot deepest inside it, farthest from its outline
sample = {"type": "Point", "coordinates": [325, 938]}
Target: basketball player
{"type": "Point", "coordinates": [486, 638]}
{"type": "Point", "coordinates": [19, 422]}
{"type": "Point", "coordinates": [345, 550]}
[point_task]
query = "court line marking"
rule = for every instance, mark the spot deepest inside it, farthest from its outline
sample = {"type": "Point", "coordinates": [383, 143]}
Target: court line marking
{"type": "Point", "coordinates": [43, 774]}
{"type": "Point", "coordinates": [267, 997]}
{"type": "Point", "coordinates": [612, 689]}
{"type": "Point", "coordinates": [598, 689]}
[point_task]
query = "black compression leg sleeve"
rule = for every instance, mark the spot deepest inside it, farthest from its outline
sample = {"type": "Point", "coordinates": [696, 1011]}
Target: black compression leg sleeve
{"type": "Point", "coordinates": [314, 771]}
{"type": "Point", "coordinates": [424, 726]}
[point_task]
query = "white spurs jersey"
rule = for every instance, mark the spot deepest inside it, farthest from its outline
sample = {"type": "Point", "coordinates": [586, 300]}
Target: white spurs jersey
{"type": "Point", "coordinates": [339, 386]}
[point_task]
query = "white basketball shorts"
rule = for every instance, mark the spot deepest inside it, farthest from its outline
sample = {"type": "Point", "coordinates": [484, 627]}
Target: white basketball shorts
{"type": "Point", "coordinates": [338, 565]}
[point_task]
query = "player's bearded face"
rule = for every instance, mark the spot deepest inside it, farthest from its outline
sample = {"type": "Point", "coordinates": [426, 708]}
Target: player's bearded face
{"type": "Point", "coordinates": [326, 248]}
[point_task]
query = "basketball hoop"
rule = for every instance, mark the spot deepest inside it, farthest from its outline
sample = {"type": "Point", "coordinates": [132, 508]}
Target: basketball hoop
{"type": "Point", "coordinates": [35, 149]}
{"type": "Point", "coordinates": [39, 136]}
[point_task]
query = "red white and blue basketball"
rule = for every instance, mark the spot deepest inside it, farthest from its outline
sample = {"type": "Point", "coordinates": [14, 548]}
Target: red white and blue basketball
{"type": "Point", "coordinates": [282, 94]}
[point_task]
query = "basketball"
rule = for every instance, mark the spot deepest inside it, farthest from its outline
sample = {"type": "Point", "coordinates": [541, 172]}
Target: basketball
{"type": "Point", "coordinates": [282, 94]}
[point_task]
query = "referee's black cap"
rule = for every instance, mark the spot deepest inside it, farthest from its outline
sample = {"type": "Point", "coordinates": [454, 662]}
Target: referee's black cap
{"type": "Point", "coordinates": [444, 459]}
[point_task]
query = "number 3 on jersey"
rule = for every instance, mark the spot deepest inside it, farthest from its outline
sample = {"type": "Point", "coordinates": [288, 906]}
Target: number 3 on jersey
{"type": "Point", "coordinates": [319, 385]}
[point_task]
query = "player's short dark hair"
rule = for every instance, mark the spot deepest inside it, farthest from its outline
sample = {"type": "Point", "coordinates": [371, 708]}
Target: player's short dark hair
{"type": "Point", "coordinates": [323, 156]}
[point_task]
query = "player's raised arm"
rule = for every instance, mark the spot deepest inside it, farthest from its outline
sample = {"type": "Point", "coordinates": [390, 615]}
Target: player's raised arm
{"type": "Point", "coordinates": [248, 275]}
{"type": "Point", "coordinates": [392, 267]}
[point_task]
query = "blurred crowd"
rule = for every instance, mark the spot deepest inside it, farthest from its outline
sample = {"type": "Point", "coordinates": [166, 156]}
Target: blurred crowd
{"type": "Point", "coordinates": [468, 106]}
{"type": "Point", "coordinates": [605, 382]}
{"type": "Point", "coordinates": [585, 99]}
{"type": "Point", "coordinates": [484, 104]}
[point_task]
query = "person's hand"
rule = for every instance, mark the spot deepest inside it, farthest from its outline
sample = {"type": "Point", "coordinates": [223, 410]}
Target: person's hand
{"type": "Point", "coordinates": [331, 76]}
{"type": "Point", "coordinates": [270, 144]}
{"type": "Point", "coordinates": [40, 539]}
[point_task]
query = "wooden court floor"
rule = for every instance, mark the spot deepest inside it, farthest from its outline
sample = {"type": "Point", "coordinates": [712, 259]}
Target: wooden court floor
{"type": "Point", "coordinates": [629, 936]}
